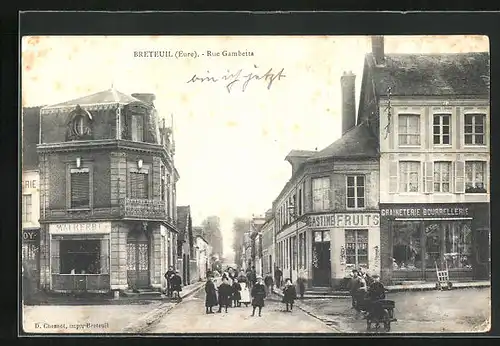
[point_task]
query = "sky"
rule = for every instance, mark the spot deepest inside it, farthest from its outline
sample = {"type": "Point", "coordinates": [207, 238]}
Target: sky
{"type": "Point", "coordinates": [230, 144]}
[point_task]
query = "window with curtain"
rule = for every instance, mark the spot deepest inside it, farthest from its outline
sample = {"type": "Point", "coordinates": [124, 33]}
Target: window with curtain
{"type": "Point", "coordinates": [475, 177]}
{"type": "Point", "coordinates": [26, 208]}
{"type": "Point", "coordinates": [474, 129]}
{"type": "Point", "coordinates": [80, 188]}
{"type": "Point", "coordinates": [409, 176]}
{"type": "Point", "coordinates": [458, 245]}
{"type": "Point", "coordinates": [139, 188]}
{"type": "Point", "coordinates": [321, 193]}
{"type": "Point", "coordinates": [356, 242]}
{"type": "Point", "coordinates": [356, 191]}
{"type": "Point", "coordinates": [409, 129]}
{"type": "Point", "coordinates": [442, 176]}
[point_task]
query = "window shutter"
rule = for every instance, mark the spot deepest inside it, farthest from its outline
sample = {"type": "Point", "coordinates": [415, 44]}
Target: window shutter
{"type": "Point", "coordinates": [429, 177]}
{"type": "Point", "coordinates": [459, 177]}
{"type": "Point", "coordinates": [308, 194]}
{"type": "Point", "coordinates": [327, 192]}
{"type": "Point", "coordinates": [80, 194]}
{"type": "Point", "coordinates": [54, 256]}
{"type": "Point", "coordinates": [393, 177]}
{"type": "Point", "coordinates": [104, 256]}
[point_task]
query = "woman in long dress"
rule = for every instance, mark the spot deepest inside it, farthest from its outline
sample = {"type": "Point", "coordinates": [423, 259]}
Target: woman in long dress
{"type": "Point", "coordinates": [211, 296]}
{"type": "Point", "coordinates": [245, 294]}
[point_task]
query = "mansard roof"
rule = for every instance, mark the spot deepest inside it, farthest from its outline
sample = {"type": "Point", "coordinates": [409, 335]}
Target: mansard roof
{"type": "Point", "coordinates": [358, 142]}
{"type": "Point", "coordinates": [450, 74]}
{"type": "Point", "coordinates": [101, 100]}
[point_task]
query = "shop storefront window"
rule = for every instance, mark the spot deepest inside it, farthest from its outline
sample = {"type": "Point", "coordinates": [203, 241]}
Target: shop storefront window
{"type": "Point", "coordinates": [406, 245]}
{"type": "Point", "coordinates": [433, 240]}
{"type": "Point", "coordinates": [450, 242]}
{"type": "Point", "coordinates": [357, 248]}
{"type": "Point", "coordinates": [80, 256]}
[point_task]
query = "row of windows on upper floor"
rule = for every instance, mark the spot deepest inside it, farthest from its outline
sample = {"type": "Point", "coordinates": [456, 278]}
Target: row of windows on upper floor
{"type": "Point", "coordinates": [405, 176]}
{"type": "Point", "coordinates": [409, 129]}
{"type": "Point", "coordinates": [80, 185]}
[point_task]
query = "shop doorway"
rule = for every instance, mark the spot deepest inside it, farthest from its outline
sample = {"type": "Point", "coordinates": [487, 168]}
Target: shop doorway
{"type": "Point", "coordinates": [482, 254]}
{"type": "Point", "coordinates": [138, 260]}
{"type": "Point", "coordinates": [321, 259]}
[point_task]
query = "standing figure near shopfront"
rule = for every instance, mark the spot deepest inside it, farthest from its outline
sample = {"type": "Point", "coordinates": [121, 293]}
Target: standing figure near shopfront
{"type": "Point", "coordinates": [176, 284]}
{"type": "Point", "coordinates": [278, 274]}
{"type": "Point", "coordinates": [168, 275]}
{"type": "Point", "coordinates": [289, 294]}
{"type": "Point", "coordinates": [258, 295]}
{"type": "Point", "coordinates": [225, 293]}
{"type": "Point", "coordinates": [354, 285]}
{"type": "Point", "coordinates": [236, 294]}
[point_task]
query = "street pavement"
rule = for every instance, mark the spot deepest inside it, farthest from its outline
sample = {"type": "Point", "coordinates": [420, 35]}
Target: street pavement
{"type": "Point", "coordinates": [460, 310]}
{"type": "Point", "coordinates": [189, 317]}
{"type": "Point", "coordinates": [84, 318]}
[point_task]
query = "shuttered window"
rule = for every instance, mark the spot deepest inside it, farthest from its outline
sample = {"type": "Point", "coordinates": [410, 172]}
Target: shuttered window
{"type": "Point", "coordinates": [442, 176]}
{"type": "Point", "coordinates": [80, 188]}
{"type": "Point", "coordinates": [139, 185]}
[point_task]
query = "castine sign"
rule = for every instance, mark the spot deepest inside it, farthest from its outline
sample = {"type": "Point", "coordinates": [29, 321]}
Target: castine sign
{"type": "Point", "coordinates": [424, 211]}
{"type": "Point", "coordinates": [343, 220]}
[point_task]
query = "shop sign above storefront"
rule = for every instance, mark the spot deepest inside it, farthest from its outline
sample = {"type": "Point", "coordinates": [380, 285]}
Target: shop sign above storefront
{"type": "Point", "coordinates": [425, 211]}
{"type": "Point", "coordinates": [343, 220]}
{"type": "Point", "coordinates": [31, 235]}
{"type": "Point", "coordinates": [80, 228]}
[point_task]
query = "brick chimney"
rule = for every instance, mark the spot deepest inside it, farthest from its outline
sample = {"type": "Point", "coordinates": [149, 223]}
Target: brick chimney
{"type": "Point", "coordinates": [145, 97]}
{"type": "Point", "coordinates": [347, 82]}
{"type": "Point", "coordinates": [378, 49]}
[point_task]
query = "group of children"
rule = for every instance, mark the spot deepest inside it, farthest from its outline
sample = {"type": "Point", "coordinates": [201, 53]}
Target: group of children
{"type": "Point", "coordinates": [233, 292]}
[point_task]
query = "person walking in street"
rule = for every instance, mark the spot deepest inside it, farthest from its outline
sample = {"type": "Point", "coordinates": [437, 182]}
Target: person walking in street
{"type": "Point", "coordinates": [354, 284]}
{"type": "Point", "coordinates": [289, 294]}
{"type": "Point", "coordinates": [176, 284]}
{"type": "Point", "coordinates": [170, 272]}
{"type": "Point", "coordinates": [258, 295]}
{"type": "Point", "coordinates": [236, 293]}
{"type": "Point", "coordinates": [250, 279]}
{"type": "Point", "coordinates": [225, 293]}
{"type": "Point", "coordinates": [210, 295]}
{"type": "Point", "coordinates": [242, 278]}
{"type": "Point", "coordinates": [268, 281]}
{"type": "Point", "coordinates": [278, 274]}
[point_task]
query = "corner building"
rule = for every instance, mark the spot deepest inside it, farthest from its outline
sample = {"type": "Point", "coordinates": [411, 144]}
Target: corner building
{"type": "Point", "coordinates": [107, 186]}
{"type": "Point", "coordinates": [327, 219]}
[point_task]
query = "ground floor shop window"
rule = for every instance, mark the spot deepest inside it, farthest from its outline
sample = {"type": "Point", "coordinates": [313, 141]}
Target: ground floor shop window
{"type": "Point", "coordinates": [407, 250]}
{"type": "Point", "coordinates": [356, 248]}
{"type": "Point", "coordinates": [419, 244]}
{"type": "Point", "coordinates": [80, 256]}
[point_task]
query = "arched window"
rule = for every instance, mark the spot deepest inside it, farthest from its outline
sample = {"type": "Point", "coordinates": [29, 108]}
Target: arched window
{"type": "Point", "coordinates": [80, 124]}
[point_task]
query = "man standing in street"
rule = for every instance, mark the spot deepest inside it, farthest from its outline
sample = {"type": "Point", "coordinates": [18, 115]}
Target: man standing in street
{"type": "Point", "coordinates": [278, 274]}
{"type": "Point", "coordinates": [176, 285]}
{"type": "Point", "coordinates": [168, 276]}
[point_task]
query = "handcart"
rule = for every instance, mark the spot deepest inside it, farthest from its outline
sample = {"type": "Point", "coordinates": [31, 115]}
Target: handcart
{"type": "Point", "coordinates": [443, 277]}
{"type": "Point", "coordinates": [380, 312]}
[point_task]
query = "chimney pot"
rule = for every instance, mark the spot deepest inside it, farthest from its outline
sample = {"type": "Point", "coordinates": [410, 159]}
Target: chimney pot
{"type": "Point", "coordinates": [378, 49]}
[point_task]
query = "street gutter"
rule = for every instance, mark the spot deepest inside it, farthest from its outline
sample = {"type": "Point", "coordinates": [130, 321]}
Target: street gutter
{"type": "Point", "coordinates": [147, 321]}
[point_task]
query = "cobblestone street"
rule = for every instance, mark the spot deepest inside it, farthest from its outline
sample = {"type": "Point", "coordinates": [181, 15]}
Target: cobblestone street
{"type": "Point", "coordinates": [464, 310]}
{"type": "Point", "coordinates": [189, 317]}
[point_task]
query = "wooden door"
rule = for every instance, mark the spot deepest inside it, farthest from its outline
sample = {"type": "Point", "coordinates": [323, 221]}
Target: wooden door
{"type": "Point", "coordinates": [321, 259]}
{"type": "Point", "coordinates": [138, 260]}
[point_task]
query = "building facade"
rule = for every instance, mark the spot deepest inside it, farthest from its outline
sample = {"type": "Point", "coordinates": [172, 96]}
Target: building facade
{"type": "Point", "coordinates": [431, 114]}
{"type": "Point", "coordinates": [268, 251]}
{"type": "Point", "coordinates": [326, 218]}
{"type": "Point", "coordinates": [30, 196]}
{"type": "Point", "coordinates": [107, 181]}
{"type": "Point", "coordinates": [185, 246]}
{"type": "Point", "coordinates": [202, 252]}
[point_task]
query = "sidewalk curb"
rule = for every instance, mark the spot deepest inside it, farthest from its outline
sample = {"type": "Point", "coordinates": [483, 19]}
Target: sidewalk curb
{"type": "Point", "coordinates": [154, 315]}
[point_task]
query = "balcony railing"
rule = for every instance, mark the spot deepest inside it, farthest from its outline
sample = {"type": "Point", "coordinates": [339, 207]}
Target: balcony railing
{"type": "Point", "coordinates": [143, 208]}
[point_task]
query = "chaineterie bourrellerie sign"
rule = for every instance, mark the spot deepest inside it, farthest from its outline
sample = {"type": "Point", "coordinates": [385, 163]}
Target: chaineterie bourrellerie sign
{"type": "Point", "coordinates": [425, 211]}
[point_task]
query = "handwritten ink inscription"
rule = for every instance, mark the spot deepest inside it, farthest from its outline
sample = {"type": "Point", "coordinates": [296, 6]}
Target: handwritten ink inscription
{"type": "Point", "coordinates": [240, 77]}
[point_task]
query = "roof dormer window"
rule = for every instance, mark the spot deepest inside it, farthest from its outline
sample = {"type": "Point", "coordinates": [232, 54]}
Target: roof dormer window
{"type": "Point", "coordinates": [80, 124]}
